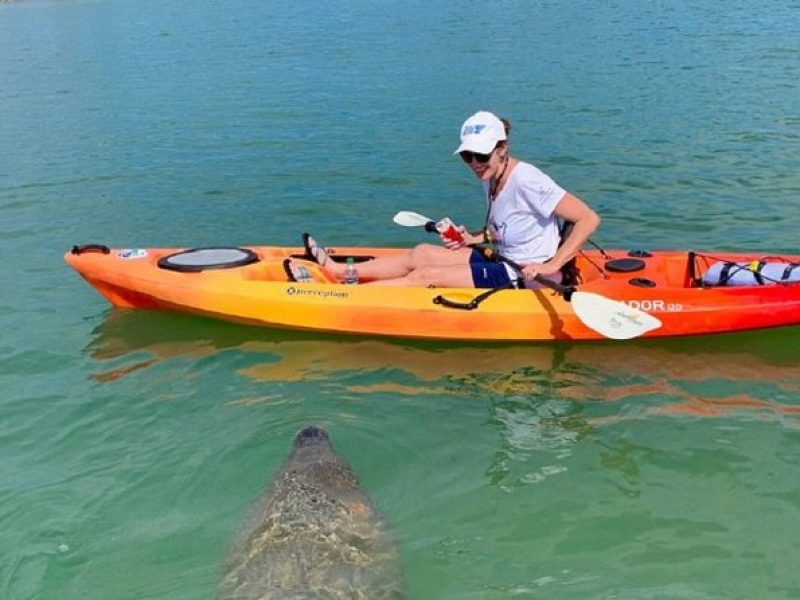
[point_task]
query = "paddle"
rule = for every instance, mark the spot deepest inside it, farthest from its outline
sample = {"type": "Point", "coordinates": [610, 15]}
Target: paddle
{"type": "Point", "coordinates": [610, 318]}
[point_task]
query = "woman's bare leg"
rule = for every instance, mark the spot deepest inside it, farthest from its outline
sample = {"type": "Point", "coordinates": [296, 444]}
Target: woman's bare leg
{"type": "Point", "coordinates": [455, 275]}
{"type": "Point", "coordinates": [402, 264]}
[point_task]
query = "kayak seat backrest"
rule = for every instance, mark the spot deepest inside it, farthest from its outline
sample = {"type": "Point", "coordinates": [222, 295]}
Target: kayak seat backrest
{"type": "Point", "coordinates": [570, 274]}
{"type": "Point", "coordinates": [727, 273]}
{"type": "Point", "coordinates": [203, 259]}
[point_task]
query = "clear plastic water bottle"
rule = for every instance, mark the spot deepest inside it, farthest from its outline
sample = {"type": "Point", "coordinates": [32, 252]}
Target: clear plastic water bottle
{"type": "Point", "coordinates": [350, 272]}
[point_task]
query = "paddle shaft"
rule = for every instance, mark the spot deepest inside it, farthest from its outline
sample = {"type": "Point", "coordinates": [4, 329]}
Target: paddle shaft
{"type": "Point", "coordinates": [564, 290]}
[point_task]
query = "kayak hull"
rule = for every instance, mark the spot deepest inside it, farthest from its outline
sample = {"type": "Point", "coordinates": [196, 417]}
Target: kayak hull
{"type": "Point", "coordinates": [259, 294]}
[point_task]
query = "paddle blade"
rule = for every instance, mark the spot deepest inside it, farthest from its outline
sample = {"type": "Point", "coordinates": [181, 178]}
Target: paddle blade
{"type": "Point", "coordinates": [410, 219]}
{"type": "Point", "coordinates": [610, 318]}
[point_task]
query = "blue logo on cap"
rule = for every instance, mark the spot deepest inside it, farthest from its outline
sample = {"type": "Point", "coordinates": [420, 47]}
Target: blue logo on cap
{"type": "Point", "coordinates": [473, 129]}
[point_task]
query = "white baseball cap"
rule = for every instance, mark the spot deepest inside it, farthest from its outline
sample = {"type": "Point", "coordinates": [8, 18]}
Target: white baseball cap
{"type": "Point", "coordinates": [481, 132]}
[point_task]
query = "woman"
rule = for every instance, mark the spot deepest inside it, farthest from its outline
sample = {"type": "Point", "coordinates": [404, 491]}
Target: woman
{"type": "Point", "coordinates": [523, 205]}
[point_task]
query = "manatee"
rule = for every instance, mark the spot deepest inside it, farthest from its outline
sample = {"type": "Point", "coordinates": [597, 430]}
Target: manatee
{"type": "Point", "coordinates": [314, 533]}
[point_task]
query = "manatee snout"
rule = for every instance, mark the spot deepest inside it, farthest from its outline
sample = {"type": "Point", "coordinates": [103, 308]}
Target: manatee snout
{"type": "Point", "coordinates": [311, 450]}
{"type": "Point", "coordinates": [311, 436]}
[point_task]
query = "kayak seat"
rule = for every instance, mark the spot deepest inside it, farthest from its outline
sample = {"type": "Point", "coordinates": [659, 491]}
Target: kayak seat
{"type": "Point", "coordinates": [202, 259]}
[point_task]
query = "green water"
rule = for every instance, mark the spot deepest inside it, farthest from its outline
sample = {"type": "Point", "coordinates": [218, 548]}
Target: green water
{"type": "Point", "coordinates": [133, 443]}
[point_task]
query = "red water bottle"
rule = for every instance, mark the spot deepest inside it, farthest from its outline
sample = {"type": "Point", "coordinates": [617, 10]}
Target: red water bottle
{"type": "Point", "coordinates": [448, 229]}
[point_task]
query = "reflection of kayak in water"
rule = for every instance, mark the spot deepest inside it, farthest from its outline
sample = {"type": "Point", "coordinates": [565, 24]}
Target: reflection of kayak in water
{"type": "Point", "coordinates": [689, 293]}
{"type": "Point", "coordinates": [754, 371]}
{"type": "Point", "coordinates": [127, 341]}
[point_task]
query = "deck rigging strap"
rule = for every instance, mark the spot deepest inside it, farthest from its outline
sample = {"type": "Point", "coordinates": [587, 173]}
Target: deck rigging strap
{"type": "Point", "coordinates": [787, 272]}
{"type": "Point", "coordinates": [766, 270]}
{"type": "Point", "coordinates": [474, 302]}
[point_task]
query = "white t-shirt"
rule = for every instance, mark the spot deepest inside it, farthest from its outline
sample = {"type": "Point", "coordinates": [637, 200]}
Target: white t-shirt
{"type": "Point", "coordinates": [521, 218]}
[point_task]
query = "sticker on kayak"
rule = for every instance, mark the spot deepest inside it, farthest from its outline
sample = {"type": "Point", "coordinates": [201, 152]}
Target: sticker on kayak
{"type": "Point", "coordinates": [301, 291]}
{"type": "Point", "coordinates": [132, 253]}
{"type": "Point", "coordinates": [655, 305]}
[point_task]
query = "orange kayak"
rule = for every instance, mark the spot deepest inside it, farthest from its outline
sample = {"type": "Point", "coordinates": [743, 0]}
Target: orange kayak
{"type": "Point", "coordinates": [249, 285]}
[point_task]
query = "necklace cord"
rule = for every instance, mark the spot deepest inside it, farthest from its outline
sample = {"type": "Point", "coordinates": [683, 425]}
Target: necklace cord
{"type": "Point", "coordinates": [494, 189]}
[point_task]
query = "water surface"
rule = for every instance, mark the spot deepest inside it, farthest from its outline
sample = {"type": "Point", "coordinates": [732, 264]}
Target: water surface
{"type": "Point", "coordinates": [134, 443]}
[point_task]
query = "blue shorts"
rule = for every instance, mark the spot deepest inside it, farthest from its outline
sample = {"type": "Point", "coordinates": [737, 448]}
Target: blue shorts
{"type": "Point", "coordinates": [488, 273]}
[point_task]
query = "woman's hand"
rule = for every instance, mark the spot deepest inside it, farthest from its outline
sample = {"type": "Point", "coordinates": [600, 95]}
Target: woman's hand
{"type": "Point", "coordinates": [467, 239]}
{"type": "Point", "coordinates": [471, 239]}
{"type": "Point", "coordinates": [531, 270]}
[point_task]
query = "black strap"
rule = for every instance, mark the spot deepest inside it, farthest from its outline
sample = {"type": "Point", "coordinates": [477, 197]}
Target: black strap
{"type": "Point", "coordinates": [696, 281]}
{"type": "Point", "coordinates": [564, 229]}
{"type": "Point", "coordinates": [472, 304]}
{"type": "Point", "coordinates": [723, 274]}
{"type": "Point", "coordinates": [787, 272]}
{"type": "Point", "coordinates": [730, 268]}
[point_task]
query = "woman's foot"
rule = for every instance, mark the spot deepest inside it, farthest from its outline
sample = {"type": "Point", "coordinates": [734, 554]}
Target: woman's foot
{"type": "Point", "coordinates": [314, 251]}
{"type": "Point", "coordinates": [296, 272]}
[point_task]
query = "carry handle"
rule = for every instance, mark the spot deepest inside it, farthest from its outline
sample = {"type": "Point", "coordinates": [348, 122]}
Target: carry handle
{"type": "Point", "coordinates": [91, 248]}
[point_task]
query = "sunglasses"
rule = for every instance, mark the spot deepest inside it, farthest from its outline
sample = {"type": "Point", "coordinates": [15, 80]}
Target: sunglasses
{"type": "Point", "coordinates": [468, 156]}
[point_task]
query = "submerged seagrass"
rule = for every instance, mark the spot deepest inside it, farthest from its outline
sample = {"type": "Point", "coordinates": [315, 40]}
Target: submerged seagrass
{"type": "Point", "coordinates": [313, 534]}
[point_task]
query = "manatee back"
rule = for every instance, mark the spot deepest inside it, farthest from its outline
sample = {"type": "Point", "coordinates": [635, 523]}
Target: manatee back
{"type": "Point", "coordinates": [314, 533]}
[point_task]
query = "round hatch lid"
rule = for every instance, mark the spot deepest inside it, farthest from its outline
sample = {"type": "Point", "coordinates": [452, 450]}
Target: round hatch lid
{"type": "Point", "coordinates": [202, 259]}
